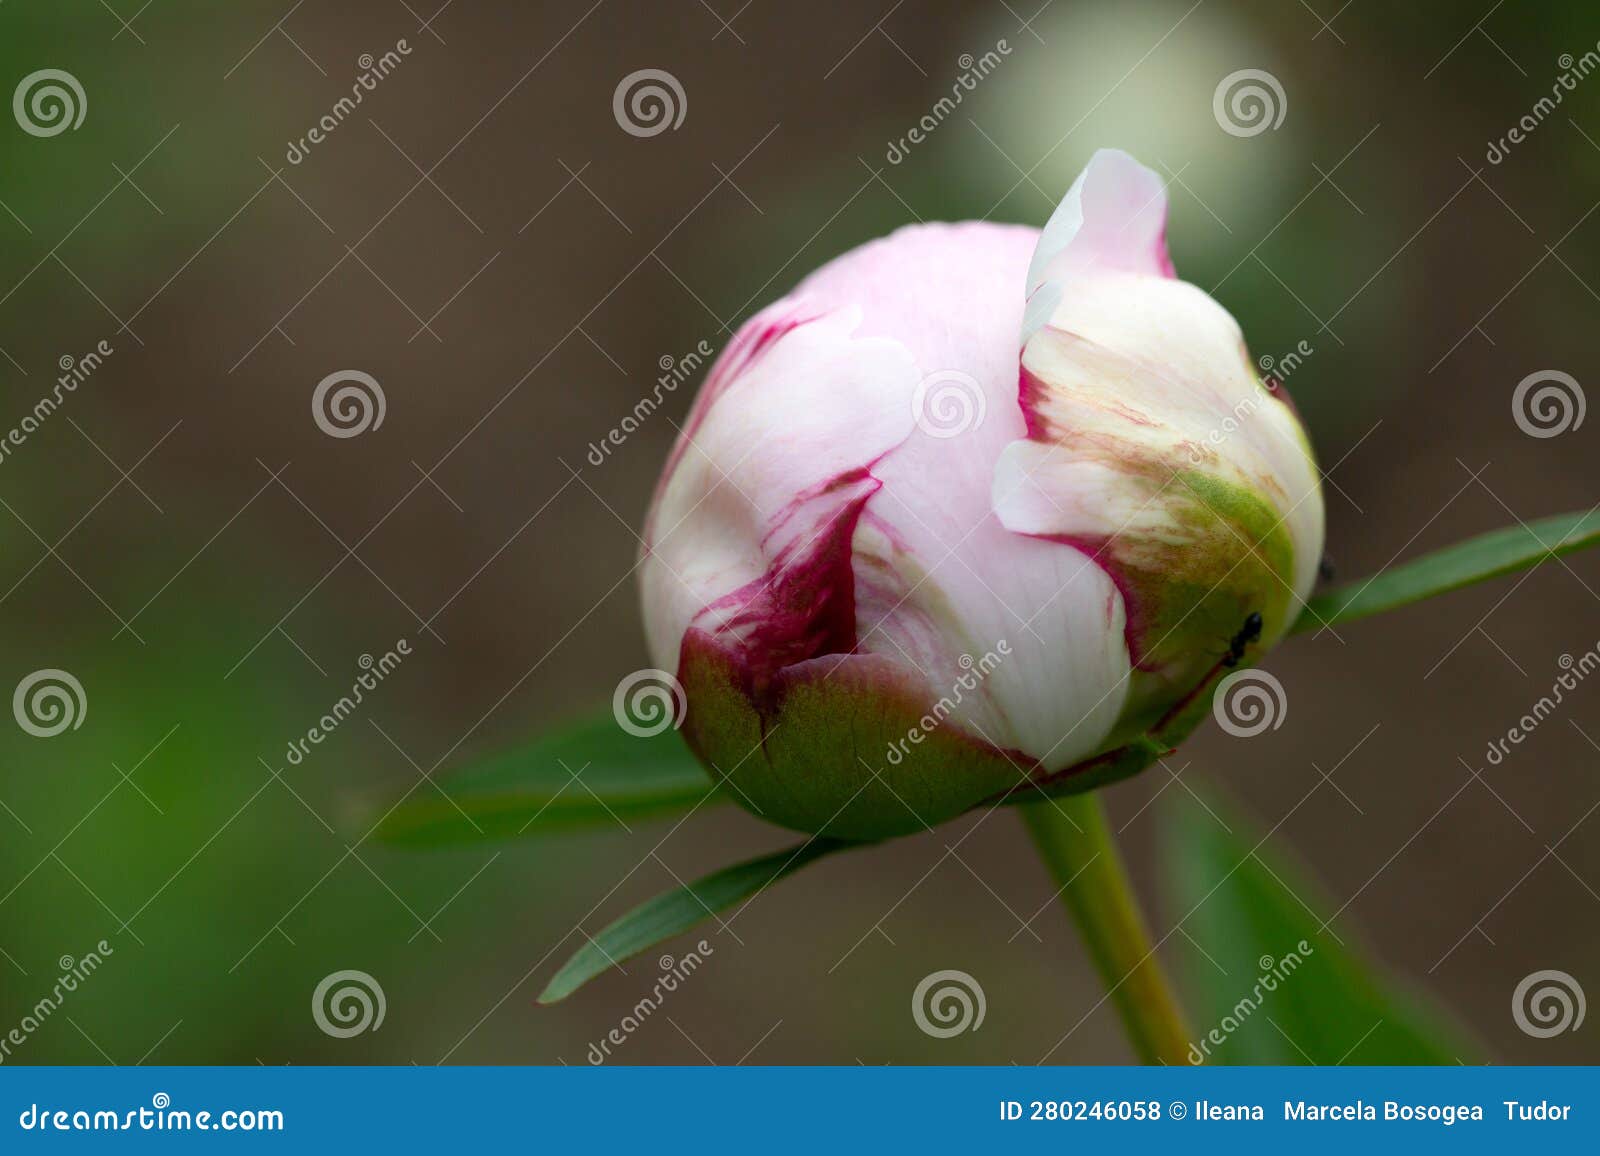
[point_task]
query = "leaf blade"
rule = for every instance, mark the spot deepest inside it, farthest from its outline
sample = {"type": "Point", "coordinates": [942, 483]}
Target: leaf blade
{"type": "Point", "coordinates": [587, 774]}
{"type": "Point", "coordinates": [1250, 913]}
{"type": "Point", "coordinates": [675, 911]}
{"type": "Point", "coordinates": [1478, 559]}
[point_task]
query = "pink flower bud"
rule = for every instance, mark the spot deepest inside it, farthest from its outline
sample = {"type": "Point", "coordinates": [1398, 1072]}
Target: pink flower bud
{"type": "Point", "coordinates": [900, 571]}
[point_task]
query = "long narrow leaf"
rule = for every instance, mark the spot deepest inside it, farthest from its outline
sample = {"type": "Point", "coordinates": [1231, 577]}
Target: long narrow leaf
{"type": "Point", "coordinates": [1475, 560]}
{"type": "Point", "coordinates": [678, 910]}
{"type": "Point", "coordinates": [590, 774]}
{"type": "Point", "coordinates": [1273, 983]}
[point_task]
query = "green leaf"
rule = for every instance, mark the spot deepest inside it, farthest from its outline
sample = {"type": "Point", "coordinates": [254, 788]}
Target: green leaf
{"type": "Point", "coordinates": [680, 909]}
{"type": "Point", "coordinates": [592, 773]}
{"type": "Point", "coordinates": [1475, 560]}
{"type": "Point", "coordinates": [1268, 979]}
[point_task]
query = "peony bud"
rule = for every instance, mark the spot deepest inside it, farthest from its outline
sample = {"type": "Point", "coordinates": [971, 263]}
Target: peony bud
{"type": "Point", "coordinates": [897, 577]}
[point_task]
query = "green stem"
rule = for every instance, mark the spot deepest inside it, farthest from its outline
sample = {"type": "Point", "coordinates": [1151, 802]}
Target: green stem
{"type": "Point", "coordinates": [1077, 846]}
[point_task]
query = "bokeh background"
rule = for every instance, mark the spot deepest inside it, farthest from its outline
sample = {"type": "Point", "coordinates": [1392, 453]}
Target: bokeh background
{"type": "Point", "coordinates": [483, 239]}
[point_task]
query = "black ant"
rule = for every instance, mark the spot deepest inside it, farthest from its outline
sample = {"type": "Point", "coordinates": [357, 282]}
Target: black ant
{"type": "Point", "coordinates": [1248, 633]}
{"type": "Point", "coordinates": [1325, 569]}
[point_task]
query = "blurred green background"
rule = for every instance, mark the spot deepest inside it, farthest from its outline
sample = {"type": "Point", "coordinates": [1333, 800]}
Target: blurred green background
{"type": "Point", "coordinates": [482, 238]}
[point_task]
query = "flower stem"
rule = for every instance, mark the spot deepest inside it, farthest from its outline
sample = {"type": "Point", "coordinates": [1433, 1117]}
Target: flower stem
{"type": "Point", "coordinates": [1077, 846]}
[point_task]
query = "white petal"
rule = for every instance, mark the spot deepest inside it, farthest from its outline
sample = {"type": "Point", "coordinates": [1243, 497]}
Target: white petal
{"type": "Point", "coordinates": [1112, 220]}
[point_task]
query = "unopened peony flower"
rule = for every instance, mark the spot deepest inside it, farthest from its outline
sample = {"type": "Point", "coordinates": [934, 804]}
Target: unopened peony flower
{"type": "Point", "coordinates": [974, 507]}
